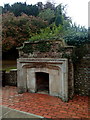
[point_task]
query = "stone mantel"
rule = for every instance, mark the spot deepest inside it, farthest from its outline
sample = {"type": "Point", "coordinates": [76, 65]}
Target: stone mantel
{"type": "Point", "coordinates": [56, 68]}
{"type": "Point", "coordinates": [51, 57]}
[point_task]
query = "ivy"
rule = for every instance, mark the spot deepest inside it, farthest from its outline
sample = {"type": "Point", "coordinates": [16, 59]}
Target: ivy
{"type": "Point", "coordinates": [27, 48]}
{"type": "Point", "coordinates": [78, 53]}
{"type": "Point", "coordinates": [64, 55]}
{"type": "Point", "coordinates": [60, 48]}
{"type": "Point", "coordinates": [43, 46]}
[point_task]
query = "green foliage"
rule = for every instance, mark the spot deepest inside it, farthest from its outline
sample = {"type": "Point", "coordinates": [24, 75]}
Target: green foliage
{"type": "Point", "coordinates": [49, 33]}
{"type": "Point", "coordinates": [16, 30]}
{"type": "Point", "coordinates": [60, 48]}
{"type": "Point", "coordinates": [72, 34]}
{"type": "Point", "coordinates": [89, 35]}
{"type": "Point", "coordinates": [78, 53]}
{"type": "Point", "coordinates": [32, 10]}
{"type": "Point", "coordinates": [76, 35]}
{"type": "Point", "coordinates": [47, 14]}
{"type": "Point", "coordinates": [19, 8]}
{"type": "Point", "coordinates": [27, 49]}
{"type": "Point", "coordinates": [40, 6]}
{"type": "Point", "coordinates": [58, 10]}
{"type": "Point", "coordinates": [64, 55]}
{"type": "Point", "coordinates": [7, 69]}
{"type": "Point", "coordinates": [43, 46]}
{"type": "Point", "coordinates": [49, 5]}
{"type": "Point", "coordinates": [59, 16]}
{"type": "Point", "coordinates": [6, 8]}
{"type": "Point", "coordinates": [0, 10]}
{"type": "Point", "coordinates": [58, 20]}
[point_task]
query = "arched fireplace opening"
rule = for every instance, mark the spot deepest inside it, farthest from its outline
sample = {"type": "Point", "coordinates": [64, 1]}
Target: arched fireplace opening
{"type": "Point", "coordinates": [42, 82]}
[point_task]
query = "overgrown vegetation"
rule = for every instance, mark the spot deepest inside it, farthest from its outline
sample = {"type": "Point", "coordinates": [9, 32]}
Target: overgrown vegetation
{"type": "Point", "coordinates": [43, 46]}
{"type": "Point", "coordinates": [22, 22]}
{"type": "Point", "coordinates": [79, 53]}
{"type": "Point", "coordinates": [16, 30]}
{"type": "Point", "coordinates": [27, 49]}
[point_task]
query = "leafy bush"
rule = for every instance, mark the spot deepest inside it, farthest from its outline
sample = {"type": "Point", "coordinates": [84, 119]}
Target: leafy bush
{"type": "Point", "coordinates": [16, 30]}
{"type": "Point", "coordinates": [76, 36]}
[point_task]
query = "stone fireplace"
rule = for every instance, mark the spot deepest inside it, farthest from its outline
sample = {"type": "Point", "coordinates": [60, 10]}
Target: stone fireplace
{"type": "Point", "coordinates": [42, 81]}
{"type": "Point", "coordinates": [45, 70]}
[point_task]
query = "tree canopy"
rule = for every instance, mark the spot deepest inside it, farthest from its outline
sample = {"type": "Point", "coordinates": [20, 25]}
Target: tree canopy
{"type": "Point", "coordinates": [22, 22]}
{"type": "Point", "coordinates": [19, 8]}
{"type": "Point", "coordinates": [16, 30]}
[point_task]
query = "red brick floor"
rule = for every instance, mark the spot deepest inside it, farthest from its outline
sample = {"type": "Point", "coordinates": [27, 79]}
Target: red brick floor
{"type": "Point", "coordinates": [45, 105]}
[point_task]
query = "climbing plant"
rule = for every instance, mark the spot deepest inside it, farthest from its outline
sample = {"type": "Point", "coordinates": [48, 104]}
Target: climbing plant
{"type": "Point", "coordinates": [27, 48]}
{"type": "Point", "coordinates": [43, 46]}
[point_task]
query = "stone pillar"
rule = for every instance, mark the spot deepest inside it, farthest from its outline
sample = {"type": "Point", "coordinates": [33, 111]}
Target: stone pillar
{"type": "Point", "coordinates": [54, 83]}
{"type": "Point", "coordinates": [71, 79]}
{"type": "Point", "coordinates": [31, 81]}
{"type": "Point", "coordinates": [21, 78]}
{"type": "Point", "coordinates": [64, 81]}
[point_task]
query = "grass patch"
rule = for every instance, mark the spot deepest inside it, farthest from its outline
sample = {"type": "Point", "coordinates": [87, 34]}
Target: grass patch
{"type": "Point", "coordinates": [9, 68]}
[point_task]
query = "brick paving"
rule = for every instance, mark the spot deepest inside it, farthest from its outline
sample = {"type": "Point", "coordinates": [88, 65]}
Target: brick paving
{"type": "Point", "coordinates": [45, 105]}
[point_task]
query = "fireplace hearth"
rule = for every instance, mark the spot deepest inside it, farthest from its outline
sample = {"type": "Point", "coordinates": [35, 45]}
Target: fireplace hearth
{"type": "Point", "coordinates": [49, 71]}
{"type": "Point", "coordinates": [42, 81]}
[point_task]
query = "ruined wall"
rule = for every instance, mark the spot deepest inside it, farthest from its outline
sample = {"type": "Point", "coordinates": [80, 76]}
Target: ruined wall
{"type": "Point", "coordinates": [45, 49]}
{"type": "Point", "coordinates": [50, 49]}
{"type": "Point", "coordinates": [9, 78]}
{"type": "Point", "coordinates": [79, 74]}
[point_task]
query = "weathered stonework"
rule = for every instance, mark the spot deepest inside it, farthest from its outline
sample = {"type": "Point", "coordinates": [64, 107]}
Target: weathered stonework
{"type": "Point", "coordinates": [58, 75]}
{"type": "Point", "coordinates": [56, 50]}
{"type": "Point", "coordinates": [82, 76]}
{"type": "Point", "coordinates": [10, 77]}
{"type": "Point", "coordinates": [54, 60]}
{"type": "Point", "coordinates": [70, 78]}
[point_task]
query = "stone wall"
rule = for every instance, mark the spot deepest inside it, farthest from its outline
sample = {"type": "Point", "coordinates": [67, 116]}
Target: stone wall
{"type": "Point", "coordinates": [70, 78]}
{"type": "Point", "coordinates": [50, 49]}
{"type": "Point", "coordinates": [45, 49]}
{"type": "Point", "coordinates": [78, 76]}
{"type": "Point", "coordinates": [9, 78]}
{"type": "Point", "coordinates": [56, 68]}
{"type": "Point", "coordinates": [82, 75]}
